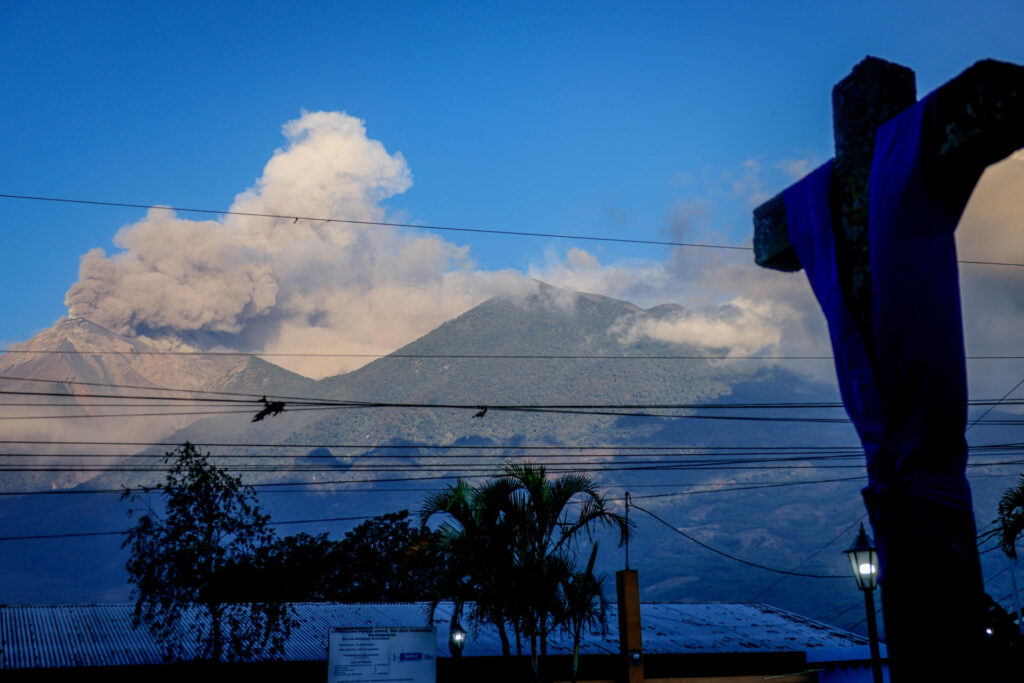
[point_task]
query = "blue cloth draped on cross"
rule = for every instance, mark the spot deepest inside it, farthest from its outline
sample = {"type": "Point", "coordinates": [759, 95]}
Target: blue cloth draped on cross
{"type": "Point", "coordinates": [903, 382]}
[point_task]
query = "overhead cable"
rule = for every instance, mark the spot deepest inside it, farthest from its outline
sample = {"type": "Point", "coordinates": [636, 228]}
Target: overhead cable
{"type": "Point", "coordinates": [726, 555]}
{"type": "Point", "coordinates": [414, 226]}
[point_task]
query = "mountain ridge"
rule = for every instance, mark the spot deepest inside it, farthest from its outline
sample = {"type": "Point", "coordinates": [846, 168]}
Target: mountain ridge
{"type": "Point", "coordinates": [675, 459]}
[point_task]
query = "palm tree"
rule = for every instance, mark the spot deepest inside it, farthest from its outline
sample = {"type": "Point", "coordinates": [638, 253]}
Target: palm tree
{"type": "Point", "coordinates": [1011, 518]}
{"type": "Point", "coordinates": [546, 534]}
{"type": "Point", "coordinates": [508, 548]}
{"type": "Point", "coordinates": [475, 550]}
{"type": "Point", "coordinates": [1011, 523]}
{"type": "Point", "coordinates": [582, 605]}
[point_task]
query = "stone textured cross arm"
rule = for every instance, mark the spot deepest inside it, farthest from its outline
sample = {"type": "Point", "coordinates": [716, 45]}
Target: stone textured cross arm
{"type": "Point", "coordinates": [977, 123]}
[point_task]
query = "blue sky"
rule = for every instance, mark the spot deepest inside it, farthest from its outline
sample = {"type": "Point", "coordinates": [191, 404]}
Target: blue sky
{"type": "Point", "coordinates": [599, 118]}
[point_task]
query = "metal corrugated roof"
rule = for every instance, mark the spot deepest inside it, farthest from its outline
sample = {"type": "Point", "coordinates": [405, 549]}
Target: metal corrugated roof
{"type": "Point", "coordinates": [53, 636]}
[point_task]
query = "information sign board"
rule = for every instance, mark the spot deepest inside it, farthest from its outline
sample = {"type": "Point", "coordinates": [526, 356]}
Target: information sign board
{"type": "Point", "coordinates": [382, 654]}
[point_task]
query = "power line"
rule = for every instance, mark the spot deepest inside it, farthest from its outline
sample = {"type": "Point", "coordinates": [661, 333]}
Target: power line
{"type": "Point", "coordinates": [156, 401]}
{"type": "Point", "coordinates": [458, 446]}
{"type": "Point", "coordinates": [441, 467]}
{"type": "Point", "coordinates": [996, 403]}
{"type": "Point", "coordinates": [712, 488]}
{"type": "Point", "coordinates": [121, 532]}
{"type": "Point", "coordinates": [611, 411]}
{"type": "Point", "coordinates": [810, 557]}
{"type": "Point", "coordinates": [716, 489]}
{"type": "Point", "coordinates": [733, 557]}
{"type": "Point", "coordinates": [194, 399]}
{"type": "Point", "coordinates": [843, 611]}
{"type": "Point", "coordinates": [568, 465]}
{"type": "Point", "coordinates": [379, 224]}
{"type": "Point", "coordinates": [230, 398]}
{"type": "Point", "coordinates": [734, 455]}
{"type": "Point", "coordinates": [379, 462]}
{"type": "Point", "coordinates": [133, 386]}
{"type": "Point", "coordinates": [119, 415]}
{"type": "Point", "coordinates": [463, 468]}
{"type": "Point", "coordinates": [451, 356]}
{"type": "Point", "coordinates": [436, 356]}
{"type": "Point", "coordinates": [415, 226]}
{"type": "Point", "coordinates": [320, 402]}
{"type": "Point", "coordinates": [663, 456]}
{"type": "Point", "coordinates": [746, 487]}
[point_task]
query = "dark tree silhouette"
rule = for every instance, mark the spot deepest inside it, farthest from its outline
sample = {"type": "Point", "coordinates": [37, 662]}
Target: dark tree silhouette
{"type": "Point", "coordinates": [1011, 518]}
{"type": "Point", "coordinates": [178, 555]}
{"type": "Point", "coordinates": [475, 552]}
{"type": "Point", "coordinates": [547, 533]}
{"type": "Point", "coordinates": [581, 605]}
{"type": "Point", "coordinates": [375, 562]}
{"type": "Point", "coordinates": [509, 547]}
{"type": "Point", "coordinates": [381, 563]}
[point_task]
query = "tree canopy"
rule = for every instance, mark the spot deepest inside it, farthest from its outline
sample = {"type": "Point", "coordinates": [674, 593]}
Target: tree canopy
{"type": "Point", "coordinates": [374, 562]}
{"type": "Point", "coordinates": [178, 557]}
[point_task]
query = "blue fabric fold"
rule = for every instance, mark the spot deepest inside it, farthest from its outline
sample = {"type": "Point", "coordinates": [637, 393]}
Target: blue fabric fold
{"type": "Point", "coordinates": [904, 381]}
{"type": "Point", "coordinates": [916, 316]}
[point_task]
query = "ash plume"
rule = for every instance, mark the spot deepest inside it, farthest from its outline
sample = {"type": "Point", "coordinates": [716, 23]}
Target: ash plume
{"type": "Point", "coordinates": [286, 285]}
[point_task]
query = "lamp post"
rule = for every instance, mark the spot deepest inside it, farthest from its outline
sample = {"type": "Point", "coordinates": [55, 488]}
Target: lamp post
{"type": "Point", "coordinates": [864, 562]}
{"type": "Point", "coordinates": [456, 639]}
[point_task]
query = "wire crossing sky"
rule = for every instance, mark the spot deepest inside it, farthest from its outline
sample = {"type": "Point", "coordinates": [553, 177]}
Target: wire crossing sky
{"type": "Point", "coordinates": [383, 224]}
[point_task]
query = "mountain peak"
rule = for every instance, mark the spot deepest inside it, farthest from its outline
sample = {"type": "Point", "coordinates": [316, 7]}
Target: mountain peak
{"type": "Point", "coordinates": [78, 334]}
{"type": "Point", "coordinates": [666, 310]}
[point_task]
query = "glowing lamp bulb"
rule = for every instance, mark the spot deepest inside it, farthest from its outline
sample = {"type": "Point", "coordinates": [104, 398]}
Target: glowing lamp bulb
{"type": "Point", "coordinates": [863, 561]}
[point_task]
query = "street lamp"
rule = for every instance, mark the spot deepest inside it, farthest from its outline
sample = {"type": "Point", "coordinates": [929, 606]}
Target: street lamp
{"type": "Point", "coordinates": [456, 639]}
{"type": "Point", "coordinates": [864, 562]}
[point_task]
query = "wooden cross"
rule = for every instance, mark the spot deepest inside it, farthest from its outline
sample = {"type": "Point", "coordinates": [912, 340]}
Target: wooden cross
{"type": "Point", "coordinates": [931, 588]}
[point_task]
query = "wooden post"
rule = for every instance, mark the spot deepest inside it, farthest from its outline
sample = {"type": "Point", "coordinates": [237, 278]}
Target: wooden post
{"type": "Point", "coordinates": [627, 589]}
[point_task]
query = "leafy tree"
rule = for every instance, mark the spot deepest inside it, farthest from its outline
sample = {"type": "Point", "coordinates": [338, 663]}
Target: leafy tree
{"type": "Point", "coordinates": [297, 568]}
{"type": "Point", "coordinates": [380, 562]}
{"type": "Point", "coordinates": [177, 559]}
{"type": "Point", "coordinates": [374, 562]}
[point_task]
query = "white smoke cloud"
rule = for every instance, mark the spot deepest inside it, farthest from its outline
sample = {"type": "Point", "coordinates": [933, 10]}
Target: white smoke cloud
{"type": "Point", "coordinates": [174, 274]}
{"type": "Point", "coordinates": [728, 303]}
{"type": "Point", "coordinates": [742, 327]}
{"type": "Point", "coordinates": [284, 285]}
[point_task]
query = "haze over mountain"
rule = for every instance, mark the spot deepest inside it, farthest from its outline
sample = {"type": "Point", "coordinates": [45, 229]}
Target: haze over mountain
{"type": "Point", "coordinates": [551, 347]}
{"type": "Point", "coordinates": [88, 368]}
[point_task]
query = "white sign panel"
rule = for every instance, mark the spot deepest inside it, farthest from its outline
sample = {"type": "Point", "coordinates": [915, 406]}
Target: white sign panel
{"type": "Point", "coordinates": [381, 655]}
